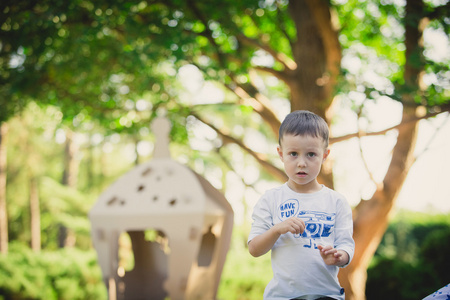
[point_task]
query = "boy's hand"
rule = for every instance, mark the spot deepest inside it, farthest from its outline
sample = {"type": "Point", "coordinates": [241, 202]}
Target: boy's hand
{"type": "Point", "coordinates": [332, 256]}
{"type": "Point", "coordinates": [293, 225]}
{"type": "Point", "coordinates": [262, 243]}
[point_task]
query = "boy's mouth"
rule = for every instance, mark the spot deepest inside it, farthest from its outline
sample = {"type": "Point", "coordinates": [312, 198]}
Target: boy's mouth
{"type": "Point", "coordinates": [301, 173]}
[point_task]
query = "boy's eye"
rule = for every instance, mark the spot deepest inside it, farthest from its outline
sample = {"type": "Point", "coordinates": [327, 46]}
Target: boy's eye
{"type": "Point", "coordinates": [311, 154]}
{"type": "Point", "coordinates": [294, 154]}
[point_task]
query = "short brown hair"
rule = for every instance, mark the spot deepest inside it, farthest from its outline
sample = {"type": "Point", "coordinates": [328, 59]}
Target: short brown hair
{"type": "Point", "coordinates": [303, 122]}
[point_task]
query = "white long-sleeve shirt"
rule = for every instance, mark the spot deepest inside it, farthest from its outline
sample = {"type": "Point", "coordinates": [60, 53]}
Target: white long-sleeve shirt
{"type": "Point", "coordinates": [298, 269]}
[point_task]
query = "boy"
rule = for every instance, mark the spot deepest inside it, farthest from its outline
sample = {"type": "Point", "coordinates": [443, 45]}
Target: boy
{"type": "Point", "coordinates": [307, 226]}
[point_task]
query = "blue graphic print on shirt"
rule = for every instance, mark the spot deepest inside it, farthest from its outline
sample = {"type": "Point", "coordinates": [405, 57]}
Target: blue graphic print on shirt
{"type": "Point", "coordinates": [317, 224]}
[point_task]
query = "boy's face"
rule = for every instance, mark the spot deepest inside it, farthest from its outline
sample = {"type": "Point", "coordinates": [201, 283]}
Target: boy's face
{"type": "Point", "coordinates": [302, 156]}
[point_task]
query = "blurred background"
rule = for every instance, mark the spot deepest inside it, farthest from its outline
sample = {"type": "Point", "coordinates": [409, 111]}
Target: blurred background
{"type": "Point", "coordinates": [81, 82]}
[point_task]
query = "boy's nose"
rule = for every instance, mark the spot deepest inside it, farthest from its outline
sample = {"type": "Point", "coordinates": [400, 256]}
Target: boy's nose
{"type": "Point", "coordinates": [301, 162]}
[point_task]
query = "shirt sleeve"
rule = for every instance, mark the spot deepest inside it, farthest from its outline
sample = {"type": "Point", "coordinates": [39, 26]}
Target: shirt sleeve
{"type": "Point", "coordinates": [344, 229]}
{"type": "Point", "coordinates": [262, 218]}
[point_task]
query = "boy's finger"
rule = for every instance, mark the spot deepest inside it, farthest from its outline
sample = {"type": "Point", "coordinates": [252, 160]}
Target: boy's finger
{"type": "Point", "coordinates": [329, 251]}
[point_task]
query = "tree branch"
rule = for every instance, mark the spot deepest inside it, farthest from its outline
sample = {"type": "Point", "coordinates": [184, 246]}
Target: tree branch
{"type": "Point", "coordinates": [231, 168]}
{"type": "Point", "coordinates": [432, 138]}
{"type": "Point", "coordinates": [280, 25]}
{"type": "Point", "coordinates": [287, 62]}
{"type": "Point", "coordinates": [361, 152]}
{"type": "Point", "coordinates": [250, 94]}
{"type": "Point", "coordinates": [209, 36]}
{"type": "Point", "coordinates": [404, 123]}
{"type": "Point", "coordinates": [260, 158]}
{"type": "Point", "coordinates": [278, 74]}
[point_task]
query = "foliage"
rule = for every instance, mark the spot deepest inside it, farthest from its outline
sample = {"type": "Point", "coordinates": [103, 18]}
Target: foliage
{"type": "Point", "coordinates": [392, 279]}
{"type": "Point", "coordinates": [42, 159]}
{"type": "Point", "coordinates": [416, 263]}
{"type": "Point", "coordinates": [374, 34]}
{"type": "Point", "coordinates": [244, 277]}
{"type": "Point", "coordinates": [62, 274]}
{"type": "Point", "coordinates": [64, 206]}
{"type": "Point", "coordinates": [406, 234]}
{"type": "Point", "coordinates": [435, 254]}
{"type": "Point", "coordinates": [71, 56]}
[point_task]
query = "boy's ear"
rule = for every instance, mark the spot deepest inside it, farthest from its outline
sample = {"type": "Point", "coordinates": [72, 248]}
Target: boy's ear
{"type": "Point", "coordinates": [326, 153]}
{"type": "Point", "coordinates": [280, 152]}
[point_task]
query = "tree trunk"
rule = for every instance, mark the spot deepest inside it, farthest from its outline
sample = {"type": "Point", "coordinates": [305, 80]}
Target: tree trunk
{"type": "Point", "coordinates": [3, 211]}
{"type": "Point", "coordinates": [66, 238]}
{"type": "Point", "coordinates": [309, 54]}
{"type": "Point", "coordinates": [371, 217]}
{"type": "Point", "coordinates": [70, 163]}
{"type": "Point", "coordinates": [35, 215]}
{"type": "Point", "coordinates": [317, 53]}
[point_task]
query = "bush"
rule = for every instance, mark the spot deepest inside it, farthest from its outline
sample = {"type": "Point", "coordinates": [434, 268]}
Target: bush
{"type": "Point", "coordinates": [434, 253]}
{"type": "Point", "coordinates": [244, 277]}
{"type": "Point", "coordinates": [62, 274]}
{"type": "Point", "coordinates": [392, 279]}
{"type": "Point", "coordinates": [402, 277]}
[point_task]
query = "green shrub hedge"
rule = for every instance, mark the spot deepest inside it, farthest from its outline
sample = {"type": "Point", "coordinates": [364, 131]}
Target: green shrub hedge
{"type": "Point", "coordinates": [62, 274]}
{"type": "Point", "coordinates": [391, 278]}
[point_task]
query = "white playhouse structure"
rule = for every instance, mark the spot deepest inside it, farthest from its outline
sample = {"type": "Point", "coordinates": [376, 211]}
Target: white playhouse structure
{"type": "Point", "coordinates": [190, 220]}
